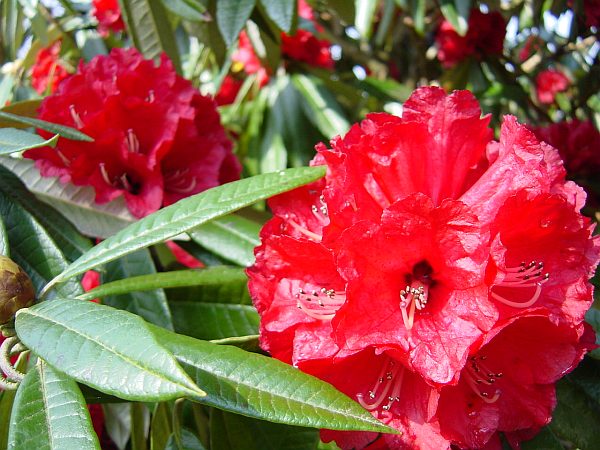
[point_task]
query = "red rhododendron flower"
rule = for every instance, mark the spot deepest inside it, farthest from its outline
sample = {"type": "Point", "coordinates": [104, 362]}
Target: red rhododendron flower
{"type": "Point", "coordinates": [304, 46]}
{"type": "Point", "coordinates": [578, 144]}
{"type": "Point", "coordinates": [485, 36]}
{"type": "Point", "coordinates": [245, 59]}
{"type": "Point", "coordinates": [228, 91]}
{"type": "Point", "coordinates": [108, 14]}
{"type": "Point", "coordinates": [426, 250]}
{"type": "Point", "coordinates": [47, 71]}
{"type": "Point", "coordinates": [548, 83]}
{"type": "Point", "coordinates": [156, 138]}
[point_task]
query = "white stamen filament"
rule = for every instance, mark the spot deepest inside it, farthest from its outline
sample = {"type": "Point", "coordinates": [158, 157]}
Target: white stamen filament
{"type": "Point", "coordinates": [412, 298]}
{"type": "Point", "coordinates": [320, 305]}
{"type": "Point", "coordinates": [133, 143]}
{"type": "Point", "coordinates": [75, 116]}
{"type": "Point", "coordinates": [104, 174]}
{"type": "Point", "coordinates": [390, 377]}
{"type": "Point", "coordinates": [309, 234]}
{"type": "Point", "coordinates": [477, 374]}
{"type": "Point", "coordinates": [525, 276]}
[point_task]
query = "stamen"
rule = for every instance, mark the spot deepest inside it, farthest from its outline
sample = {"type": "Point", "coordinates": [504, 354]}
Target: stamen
{"type": "Point", "coordinates": [133, 143]}
{"type": "Point", "coordinates": [75, 116]}
{"type": "Point", "coordinates": [477, 374]}
{"type": "Point", "coordinates": [321, 304]}
{"type": "Point", "coordinates": [125, 182]}
{"type": "Point", "coordinates": [390, 378]}
{"type": "Point", "coordinates": [104, 173]}
{"type": "Point", "coordinates": [524, 276]}
{"type": "Point", "coordinates": [309, 234]}
{"type": "Point", "coordinates": [150, 97]}
{"type": "Point", "coordinates": [413, 297]}
{"type": "Point", "coordinates": [63, 158]}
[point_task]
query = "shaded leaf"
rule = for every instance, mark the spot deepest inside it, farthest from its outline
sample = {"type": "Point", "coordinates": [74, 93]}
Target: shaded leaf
{"type": "Point", "coordinates": [117, 421]}
{"type": "Point", "coordinates": [86, 341]}
{"type": "Point", "coordinates": [232, 432]}
{"type": "Point", "coordinates": [151, 304]}
{"type": "Point", "coordinates": [187, 9]}
{"type": "Point", "coordinates": [26, 108]}
{"type": "Point", "coordinates": [75, 203]}
{"type": "Point", "coordinates": [50, 413]}
{"type": "Point", "coordinates": [4, 248]}
{"type": "Point", "coordinates": [140, 422]}
{"type": "Point", "coordinates": [365, 15]}
{"type": "Point", "coordinates": [187, 441]}
{"type": "Point", "coordinates": [231, 237]}
{"type": "Point", "coordinates": [250, 384]}
{"type": "Point", "coordinates": [457, 13]}
{"type": "Point", "coordinates": [232, 16]}
{"type": "Point", "coordinates": [161, 426]}
{"type": "Point", "coordinates": [71, 243]}
{"type": "Point", "coordinates": [189, 213]}
{"type": "Point", "coordinates": [281, 12]}
{"type": "Point", "coordinates": [149, 28]}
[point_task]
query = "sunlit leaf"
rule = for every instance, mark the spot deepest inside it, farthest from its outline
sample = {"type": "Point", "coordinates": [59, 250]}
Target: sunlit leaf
{"type": "Point", "coordinates": [13, 140]}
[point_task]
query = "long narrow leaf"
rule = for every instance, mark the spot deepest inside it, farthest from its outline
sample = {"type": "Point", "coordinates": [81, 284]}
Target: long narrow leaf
{"type": "Point", "coordinates": [49, 413]}
{"type": "Point", "coordinates": [64, 131]}
{"type": "Point", "coordinates": [250, 384]}
{"type": "Point", "coordinates": [165, 280]}
{"type": "Point", "coordinates": [188, 214]}
{"type": "Point", "coordinates": [13, 141]}
{"type": "Point", "coordinates": [110, 350]}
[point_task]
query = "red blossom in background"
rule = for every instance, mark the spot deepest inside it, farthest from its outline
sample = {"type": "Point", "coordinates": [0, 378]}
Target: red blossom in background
{"type": "Point", "coordinates": [156, 138]}
{"type": "Point", "coordinates": [228, 91]}
{"type": "Point", "coordinates": [484, 37]}
{"type": "Point", "coordinates": [548, 83]}
{"type": "Point", "coordinates": [47, 71]}
{"type": "Point", "coordinates": [578, 144]}
{"type": "Point", "coordinates": [592, 12]}
{"type": "Point", "coordinates": [108, 14]}
{"type": "Point", "coordinates": [402, 288]}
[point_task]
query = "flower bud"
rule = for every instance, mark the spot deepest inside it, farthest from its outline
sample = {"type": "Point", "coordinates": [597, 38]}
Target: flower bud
{"type": "Point", "coordinates": [16, 289]}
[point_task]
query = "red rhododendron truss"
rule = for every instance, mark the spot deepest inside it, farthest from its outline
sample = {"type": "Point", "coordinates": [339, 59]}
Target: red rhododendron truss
{"type": "Point", "coordinates": [431, 274]}
{"type": "Point", "coordinates": [156, 138]}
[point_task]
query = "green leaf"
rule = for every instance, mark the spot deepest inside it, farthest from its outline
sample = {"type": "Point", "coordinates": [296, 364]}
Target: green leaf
{"type": "Point", "coordinates": [93, 343]}
{"type": "Point", "coordinates": [6, 403]}
{"type": "Point", "coordinates": [344, 8]}
{"type": "Point", "coordinates": [26, 108]}
{"type": "Point", "coordinates": [232, 16]}
{"type": "Point", "coordinates": [188, 214]}
{"type": "Point", "coordinates": [64, 131]}
{"type": "Point", "coordinates": [251, 384]}
{"type": "Point", "coordinates": [214, 320]}
{"type": "Point", "coordinates": [218, 284]}
{"type": "Point", "coordinates": [161, 426]}
{"type": "Point", "coordinates": [418, 13]}
{"type": "Point", "coordinates": [457, 13]}
{"type": "Point", "coordinates": [365, 12]}
{"type": "Point", "coordinates": [32, 247]}
{"type": "Point", "coordinates": [140, 419]}
{"type": "Point", "coordinates": [149, 28]}
{"type": "Point", "coordinates": [192, 10]}
{"type": "Point", "coordinates": [321, 106]}
{"type": "Point", "coordinates": [117, 422]}
{"type": "Point", "coordinates": [577, 414]}
{"type": "Point", "coordinates": [50, 414]}
{"type": "Point", "coordinates": [593, 318]}
{"type": "Point", "coordinates": [13, 140]}
{"type": "Point", "coordinates": [231, 237]}
{"type": "Point", "coordinates": [281, 12]}
{"type": "Point", "coordinates": [75, 203]}
{"type": "Point", "coordinates": [4, 248]}
{"type": "Point", "coordinates": [71, 243]}
{"type": "Point", "coordinates": [187, 441]}
{"type": "Point", "coordinates": [151, 304]}
{"type": "Point", "coordinates": [232, 432]}
{"type": "Point", "coordinates": [178, 278]}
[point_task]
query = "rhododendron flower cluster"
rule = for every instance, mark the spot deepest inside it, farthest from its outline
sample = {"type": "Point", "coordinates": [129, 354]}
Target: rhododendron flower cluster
{"type": "Point", "coordinates": [435, 275]}
{"type": "Point", "coordinates": [484, 37]}
{"type": "Point", "coordinates": [548, 83]}
{"type": "Point", "coordinates": [156, 138]}
{"type": "Point", "coordinates": [47, 71]}
{"type": "Point", "coordinates": [108, 14]}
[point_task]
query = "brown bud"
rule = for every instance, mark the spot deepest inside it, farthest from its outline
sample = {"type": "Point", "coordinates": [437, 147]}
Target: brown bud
{"type": "Point", "coordinates": [16, 289]}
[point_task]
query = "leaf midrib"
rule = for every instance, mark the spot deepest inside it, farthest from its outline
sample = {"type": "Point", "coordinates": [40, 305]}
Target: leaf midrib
{"type": "Point", "coordinates": [111, 350]}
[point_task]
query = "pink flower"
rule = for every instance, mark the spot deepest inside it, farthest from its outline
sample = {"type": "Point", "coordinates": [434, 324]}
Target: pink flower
{"type": "Point", "coordinates": [47, 71]}
{"type": "Point", "coordinates": [484, 37]}
{"type": "Point", "coordinates": [245, 59]}
{"type": "Point", "coordinates": [427, 249]}
{"type": "Point", "coordinates": [156, 139]}
{"type": "Point", "coordinates": [548, 83]}
{"type": "Point", "coordinates": [108, 14]}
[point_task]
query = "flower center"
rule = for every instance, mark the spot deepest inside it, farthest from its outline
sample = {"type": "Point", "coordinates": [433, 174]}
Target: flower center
{"type": "Point", "coordinates": [320, 304]}
{"type": "Point", "coordinates": [482, 380]}
{"type": "Point", "coordinates": [387, 387]}
{"type": "Point", "coordinates": [75, 116]}
{"type": "Point", "coordinates": [180, 181]}
{"type": "Point", "coordinates": [526, 278]}
{"type": "Point", "coordinates": [415, 295]}
{"type": "Point", "coordinates": [319, 210]}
